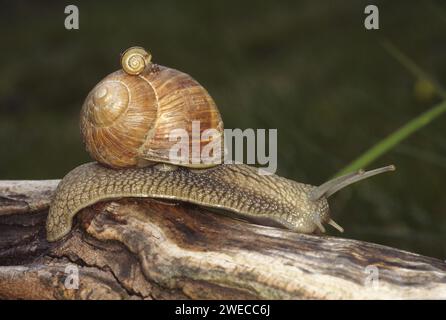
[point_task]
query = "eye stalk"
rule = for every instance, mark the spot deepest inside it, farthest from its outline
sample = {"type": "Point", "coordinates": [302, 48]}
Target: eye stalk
{"type": "Point", "coordinates": [321, 193]}
{"type": "Point", "coordinates": [330, 187]}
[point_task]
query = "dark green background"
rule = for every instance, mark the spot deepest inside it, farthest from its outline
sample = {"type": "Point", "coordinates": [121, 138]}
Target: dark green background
{"type": "Point", "coordinates": [307, 68]}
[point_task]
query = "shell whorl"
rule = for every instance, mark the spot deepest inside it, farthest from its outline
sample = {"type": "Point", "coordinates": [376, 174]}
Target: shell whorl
{"type": "Point", "coordinates": [115, 119]}
{"type": "Point", "coordinates": [107, 103]}
{"type": "Point", "coordinates": [134, 60]}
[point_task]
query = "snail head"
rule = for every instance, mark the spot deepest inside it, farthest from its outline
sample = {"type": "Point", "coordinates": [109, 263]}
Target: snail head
{"type": "Point", "coordinates": [315, 206]}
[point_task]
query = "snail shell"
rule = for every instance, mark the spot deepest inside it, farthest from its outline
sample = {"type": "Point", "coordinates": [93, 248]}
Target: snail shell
{"type": "Point", "coordinates": [127, 117]}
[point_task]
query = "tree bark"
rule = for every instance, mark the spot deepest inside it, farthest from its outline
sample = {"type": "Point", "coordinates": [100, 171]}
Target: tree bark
{"type": "Point", "coordinates": [146, 249]}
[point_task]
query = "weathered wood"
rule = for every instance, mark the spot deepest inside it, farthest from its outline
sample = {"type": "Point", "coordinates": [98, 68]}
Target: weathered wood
{"type": "Point", "coordinates": [143, 249]}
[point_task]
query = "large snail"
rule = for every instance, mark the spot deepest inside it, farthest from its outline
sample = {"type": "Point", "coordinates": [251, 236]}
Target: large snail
{"type": "Point", "coordinates": [125, 122]}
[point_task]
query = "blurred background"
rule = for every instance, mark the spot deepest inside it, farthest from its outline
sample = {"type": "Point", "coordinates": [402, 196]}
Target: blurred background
{"type": "Point", "coordinates": [307, 68]}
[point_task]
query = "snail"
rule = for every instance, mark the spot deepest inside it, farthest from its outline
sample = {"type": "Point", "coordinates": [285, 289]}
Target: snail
{"type": "Point", "coordinates": [125, 121]}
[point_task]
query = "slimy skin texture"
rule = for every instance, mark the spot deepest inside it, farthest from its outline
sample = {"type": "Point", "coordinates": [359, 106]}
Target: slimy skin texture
{"type": "Point", "coordinates": [236, 188]}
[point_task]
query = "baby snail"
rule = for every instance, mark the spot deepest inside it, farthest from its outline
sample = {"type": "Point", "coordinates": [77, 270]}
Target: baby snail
{"type": "Point", "coordinates": [125, 124]}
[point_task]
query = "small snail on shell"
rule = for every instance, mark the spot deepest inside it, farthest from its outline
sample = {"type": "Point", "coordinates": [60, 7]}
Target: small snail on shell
{"type": "Point", "coordinates": [125, 124]}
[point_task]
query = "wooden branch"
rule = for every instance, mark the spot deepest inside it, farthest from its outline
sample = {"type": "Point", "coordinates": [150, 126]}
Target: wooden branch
{"type": "Point", "coordinates": [143, 249]}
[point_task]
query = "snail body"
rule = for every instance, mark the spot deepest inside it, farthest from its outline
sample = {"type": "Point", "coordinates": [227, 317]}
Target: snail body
{"type": "Point", "coordinates": [235, 188]}
{"type": "Point", "coordinates": [125, 122]}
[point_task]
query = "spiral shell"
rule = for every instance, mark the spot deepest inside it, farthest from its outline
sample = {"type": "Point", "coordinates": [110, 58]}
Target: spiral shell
{"type": "Point", "coordinates": [135, 59]}
{"type": "Point", "coordinates": [126, 119]}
